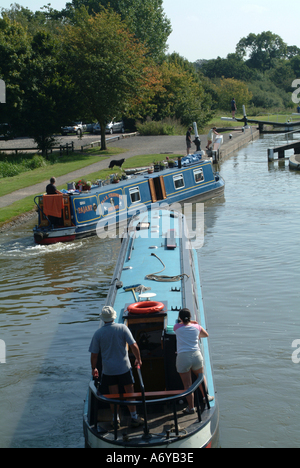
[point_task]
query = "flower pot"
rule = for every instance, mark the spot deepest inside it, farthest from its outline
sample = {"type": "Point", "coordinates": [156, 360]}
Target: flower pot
{"type": "Point", "coordinates": [156, 168]}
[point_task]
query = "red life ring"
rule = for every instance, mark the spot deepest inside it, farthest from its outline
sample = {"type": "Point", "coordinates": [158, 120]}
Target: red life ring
{"type": "Point", "coordinates": [146, 307]}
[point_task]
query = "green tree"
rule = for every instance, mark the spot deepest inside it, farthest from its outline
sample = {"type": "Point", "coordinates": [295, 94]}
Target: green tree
{"type": "Point", "coordinates": [15, 53]}
{"type": "Point", "coordinates": [145, 18]}
{"type": "Point", "coordinates": [107, 65]}
{"type": "Point", "coordinates": [264, 50]}
{"type": "Point", "coordinates": [49, 95]}
{"type": "Point", "coordinates": [231, 67]}
{"type": "Point", "coordinates": [182, 96]}
{"type": "Point", "coordinates": [229, 88]}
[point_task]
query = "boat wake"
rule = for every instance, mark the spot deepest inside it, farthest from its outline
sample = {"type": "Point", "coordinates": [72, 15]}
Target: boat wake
{"type": "Point", "coordinates": [23, 248]}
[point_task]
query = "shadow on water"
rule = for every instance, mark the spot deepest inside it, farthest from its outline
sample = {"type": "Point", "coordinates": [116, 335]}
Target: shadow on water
{"type": "Point", "coordinates": [50, 301]}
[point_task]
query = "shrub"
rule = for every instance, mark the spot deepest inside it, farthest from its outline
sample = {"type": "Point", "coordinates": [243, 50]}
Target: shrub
{"type": "Point", "coordinates": [34, 163]}
{"type": "Point", "coordinates": [21, 164]}
{"type": "Point", "coordinates": [163, 127]}
{"type": "Point", "coordinates": [9, 169]}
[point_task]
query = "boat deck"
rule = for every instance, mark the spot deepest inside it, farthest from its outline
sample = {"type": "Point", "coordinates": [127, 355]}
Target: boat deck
{"type": "Point", "coordinates": [161, 425]}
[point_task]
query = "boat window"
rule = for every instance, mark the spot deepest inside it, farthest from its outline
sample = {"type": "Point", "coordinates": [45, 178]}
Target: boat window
{"type": "Point", "coordinates": [198, 174]}
{"type": "Point", "coordinates": [178, 181]}
{"type": "Point", "coordinates": [135, 195]}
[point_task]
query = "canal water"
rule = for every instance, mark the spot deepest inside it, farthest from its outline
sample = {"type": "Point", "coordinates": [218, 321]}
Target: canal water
{"type": "Point", "coordinates": [50, 298]}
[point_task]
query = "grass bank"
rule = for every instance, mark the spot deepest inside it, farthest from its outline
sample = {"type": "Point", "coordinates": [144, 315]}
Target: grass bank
{"type": "Point", "coordinates": [57, 166]}
{"type": "Point", "coordinates": [217, 122]}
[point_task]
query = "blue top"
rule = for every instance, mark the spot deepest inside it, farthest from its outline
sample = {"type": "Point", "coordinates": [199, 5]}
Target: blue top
{"type": "Point", "coordinates": [111, 340]}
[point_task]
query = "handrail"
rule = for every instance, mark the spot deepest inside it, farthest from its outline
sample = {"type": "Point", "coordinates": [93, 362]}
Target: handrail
{"type": "Point", "coordinates": [144, 402]}
{"type": "Point", "coordinates": [185, 393]}
{"type": "Point", "coordinates": [146, 427]}
{"type": "Point", "coordinates": [39, 208]}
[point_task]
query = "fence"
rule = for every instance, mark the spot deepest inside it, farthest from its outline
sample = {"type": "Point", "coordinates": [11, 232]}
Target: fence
{"type": "Point", "coordinates": [108, 140]}
{"type": "Point", "coordinates": [62, 148]}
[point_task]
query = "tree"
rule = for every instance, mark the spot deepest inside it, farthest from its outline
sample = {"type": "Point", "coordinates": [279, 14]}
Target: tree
{"type": "Point", "coordinates": [49, 96]}
{"type": "Point", "coordinates": [15, 52]}
{"type": "Point", "coordinates": [231, 67]}
{"type": "Point", "coordinates": [145, 18]}
{"type": "Point", "coordinates": [230, 88]}
{"type": "Point", "coordinates": [107, 65]}
{"type": "Point", "coordinates": [264, 50]}
{"type": "Point", "coordinates": [182, 95]}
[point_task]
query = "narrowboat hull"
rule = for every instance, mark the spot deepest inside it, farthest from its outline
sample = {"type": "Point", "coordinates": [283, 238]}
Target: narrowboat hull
{"type": "Point", "coordinates": [102, 207]}
{"type": "Point", "coordinates": [165, 241]}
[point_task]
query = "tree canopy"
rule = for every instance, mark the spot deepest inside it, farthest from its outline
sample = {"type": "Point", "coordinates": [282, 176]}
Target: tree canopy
{"type": "Point", "coordinates": [103, 59]}
{"type": "Point", "coordinates": [107, 65]}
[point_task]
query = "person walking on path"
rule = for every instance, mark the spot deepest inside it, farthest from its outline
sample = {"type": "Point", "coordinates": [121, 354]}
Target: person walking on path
{"type": "Point", "coordinates": [188, 140]}
{"type": "Point", "coordinates": [111, 340]}
{"type": "Point", "coordinates": [189, 357]}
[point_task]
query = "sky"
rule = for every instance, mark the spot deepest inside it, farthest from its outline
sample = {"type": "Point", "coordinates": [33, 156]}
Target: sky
{"type": "Point", "coordinates": [204, 30]}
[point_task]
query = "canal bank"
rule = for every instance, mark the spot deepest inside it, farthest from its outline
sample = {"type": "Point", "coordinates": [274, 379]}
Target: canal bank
{"type": "Point", "coordinates": [239, 140]}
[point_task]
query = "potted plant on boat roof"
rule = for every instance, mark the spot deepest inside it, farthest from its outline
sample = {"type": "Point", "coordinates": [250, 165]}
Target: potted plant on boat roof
{"type": "Point", "coordinates": [162, 165]}
{"type": "Point", "coordinates": [83, 185]}
{"type": "Point", "coordinates": [171, 162]}
{"type": "Point", "coordinates": [115, 178]}
{"type": "Point", "coordinates": [156, 166]}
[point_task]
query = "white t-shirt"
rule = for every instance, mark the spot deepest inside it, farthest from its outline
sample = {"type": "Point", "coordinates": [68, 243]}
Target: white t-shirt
{"type": "Point", "coordinates": [187, 337]}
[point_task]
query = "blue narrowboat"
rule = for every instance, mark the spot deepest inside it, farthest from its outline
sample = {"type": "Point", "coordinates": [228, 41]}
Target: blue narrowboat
{"type": "Point", "coordinates": [80, 214]}
{"type": "Point", "coordinates": [149, 304]}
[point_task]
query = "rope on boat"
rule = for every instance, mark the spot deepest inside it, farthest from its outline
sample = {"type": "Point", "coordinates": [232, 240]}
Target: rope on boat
{"type": "Point", "coordinates": [164, 279]}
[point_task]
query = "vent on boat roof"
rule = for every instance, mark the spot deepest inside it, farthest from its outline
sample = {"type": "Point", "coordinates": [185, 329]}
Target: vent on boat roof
{"type": "Point", "coordinates": [142, 225]}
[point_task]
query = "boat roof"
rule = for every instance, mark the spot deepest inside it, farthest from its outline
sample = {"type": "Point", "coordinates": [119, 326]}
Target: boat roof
{"type": "Point", "coordinates": [190, 161]}
{"type": "Point", "coordinates": [154, 242]}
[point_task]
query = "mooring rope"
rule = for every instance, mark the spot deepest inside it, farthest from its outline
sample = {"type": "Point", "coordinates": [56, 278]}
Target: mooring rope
{"type": "Point", "coordinates": [164, 279]}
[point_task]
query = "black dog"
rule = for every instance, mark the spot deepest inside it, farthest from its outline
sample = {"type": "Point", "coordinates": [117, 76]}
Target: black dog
{"type": "Point", "coordinates": [119, 163]}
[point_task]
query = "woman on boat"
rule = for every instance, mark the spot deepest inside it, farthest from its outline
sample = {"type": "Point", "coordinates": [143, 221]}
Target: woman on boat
{"type": "Point", "coordinates": [189, 357]}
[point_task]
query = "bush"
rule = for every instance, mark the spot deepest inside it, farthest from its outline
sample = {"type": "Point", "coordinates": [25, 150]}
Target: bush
{"type": "Point", "coordinates": [20, 164]}
{"type": "Point", "coordinates": [35, 162]}
{"type": "Point", "coordinates": [163, 127]}
{"type": "Point", "coordinates": [8, 169]}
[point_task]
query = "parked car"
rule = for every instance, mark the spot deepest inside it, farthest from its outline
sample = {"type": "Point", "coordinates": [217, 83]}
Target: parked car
{"type": "Point", "coordinates": [6, 132]}
{"type": "Point", "coordinates": [111, 127]}
{"type": "Point", "coordinates": [90, 127]}
{"type": "Point", "coordinates": [76, 127]}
